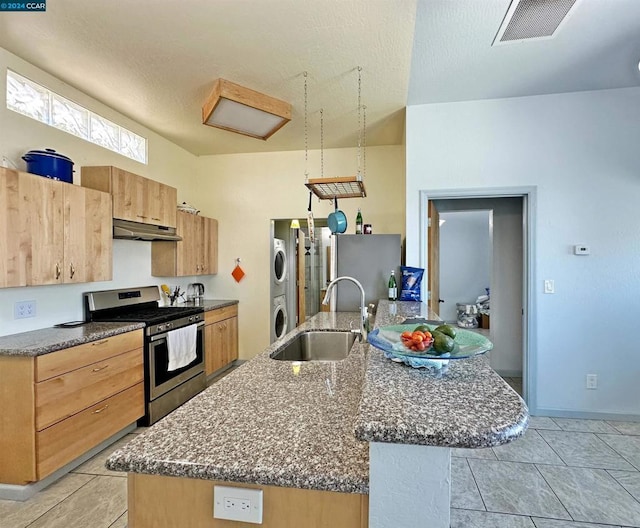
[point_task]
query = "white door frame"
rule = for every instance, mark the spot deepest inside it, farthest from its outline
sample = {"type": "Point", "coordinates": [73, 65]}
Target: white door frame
{"type": "Point", "coordinates": [528, 194]}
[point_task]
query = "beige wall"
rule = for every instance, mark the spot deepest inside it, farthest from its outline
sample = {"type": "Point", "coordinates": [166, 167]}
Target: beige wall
{"type": "Point", "coordinates": [168, 163]}
{"type": "Point", "coordinates": [246, 191]}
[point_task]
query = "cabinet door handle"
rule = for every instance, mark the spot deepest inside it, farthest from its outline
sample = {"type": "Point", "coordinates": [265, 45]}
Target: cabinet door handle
{"type": "Point", "coordinates": [141, 216]}
{"type": "Point", "coordinates": [98, 369]}
{"type": "Point", "coordinates": [96, 343]}
{"type": "Point", "coordinates": [156, 219]}
{"type": "Point", "coordinates": [72, 271]}
{"type": "Point", "coordinates": [98, 411]}
{"type": "Point", "coordinates": [58, 270]}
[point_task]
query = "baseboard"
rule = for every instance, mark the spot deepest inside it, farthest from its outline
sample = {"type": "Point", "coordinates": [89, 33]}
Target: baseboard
{"type": "Point", "coordinates": [509, 373]}
{"type": "Point", "coordinates": [22, 493]}
{"type": "Point", "coordinates": [586, 415]}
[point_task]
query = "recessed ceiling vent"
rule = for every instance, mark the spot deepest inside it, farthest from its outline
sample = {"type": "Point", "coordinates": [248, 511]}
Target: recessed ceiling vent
{"type": "Point", "coordinates": [532, 19]}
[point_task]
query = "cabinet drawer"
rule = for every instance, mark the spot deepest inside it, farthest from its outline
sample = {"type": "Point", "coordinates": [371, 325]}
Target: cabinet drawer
{"type": "Point", "coordinates": [60, 397]}
{"type": "Point", "coordinates": [62, 361]}
{"type": "Point", "coordinates": [63, 442]}
{"type": "Point", "coordinates": [214, 316]}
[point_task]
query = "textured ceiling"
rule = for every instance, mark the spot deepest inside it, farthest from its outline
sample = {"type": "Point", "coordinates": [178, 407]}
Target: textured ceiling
{"type": "Point", "coordinates": [156, 61]}
{"type": "Point", "coordinates": [597, 47]}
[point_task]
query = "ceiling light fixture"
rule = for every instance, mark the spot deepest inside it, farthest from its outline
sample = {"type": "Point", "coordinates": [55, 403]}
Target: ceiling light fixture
{"type": "Point", "coordinates": [238, 109]}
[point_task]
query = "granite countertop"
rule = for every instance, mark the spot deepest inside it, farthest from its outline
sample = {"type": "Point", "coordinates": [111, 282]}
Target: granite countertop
{"type": "Point", "coordinates": [308, 426]}
{"type": "Point", "coordinates": [470, 406]}
{"type": "Point", "coordinates": [47, 340]}
{"type": "Point", "coordinates": [268, 422]}
{"type": "Point", "coordinates": [213, 304]}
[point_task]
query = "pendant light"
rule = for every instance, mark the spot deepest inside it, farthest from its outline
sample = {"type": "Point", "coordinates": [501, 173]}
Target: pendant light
{"type": "Point", "coordinates": [345, 186]}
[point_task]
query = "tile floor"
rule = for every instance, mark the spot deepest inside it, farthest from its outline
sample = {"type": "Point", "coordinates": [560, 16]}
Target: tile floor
{"type": "Point", "coordinates": [562, 474]}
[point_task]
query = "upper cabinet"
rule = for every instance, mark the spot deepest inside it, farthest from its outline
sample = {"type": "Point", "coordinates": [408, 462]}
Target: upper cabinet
{"type": "Point", "coordinates": [135, 198]}
{"type": "Point", "coordinates": [52, 232]}
{"type": "Point", "coordinates": [195, 254]}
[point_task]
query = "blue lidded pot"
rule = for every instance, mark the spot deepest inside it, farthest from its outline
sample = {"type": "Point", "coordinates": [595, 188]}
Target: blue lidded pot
{"type": "Point", "coordinates": [50, 164]}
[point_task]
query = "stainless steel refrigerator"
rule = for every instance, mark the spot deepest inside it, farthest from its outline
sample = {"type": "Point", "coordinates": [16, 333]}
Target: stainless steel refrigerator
{"type": "Point", "coordinates": [367, 258]}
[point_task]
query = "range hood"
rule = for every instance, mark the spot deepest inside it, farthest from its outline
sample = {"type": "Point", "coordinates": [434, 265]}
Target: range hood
{"type": "Point", "coordinates": [137, 231]}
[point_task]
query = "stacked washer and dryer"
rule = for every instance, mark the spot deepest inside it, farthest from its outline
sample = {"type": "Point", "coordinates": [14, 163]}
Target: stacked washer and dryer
{"type": "Point", "coordinates": [279, 317]}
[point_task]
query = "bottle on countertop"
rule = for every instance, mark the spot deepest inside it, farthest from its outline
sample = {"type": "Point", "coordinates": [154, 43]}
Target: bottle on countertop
{"type": "Point", "coordinates": [359, 223]}
{"type": "Point", "coordinates": [393, 287]}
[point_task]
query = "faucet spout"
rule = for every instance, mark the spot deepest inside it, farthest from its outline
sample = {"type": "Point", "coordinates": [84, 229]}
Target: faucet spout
{"type": "Point", "coordinates": [364, 314]}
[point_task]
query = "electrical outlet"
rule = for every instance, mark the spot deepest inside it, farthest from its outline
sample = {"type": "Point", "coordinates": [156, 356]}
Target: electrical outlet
{"type": "Point", "coordinates": [237, 504]}
{"type": "Point", "coordinates": [549, 286]}
{"type": "Point", "coordinates": [592, 381]}
{"type": "Point", "coordinates": [24, 309]}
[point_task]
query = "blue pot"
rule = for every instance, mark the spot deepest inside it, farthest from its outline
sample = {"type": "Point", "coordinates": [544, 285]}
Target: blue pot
{"type": "Point", "coordinates": [50, 164]}
{"type": "Point", "coordinates": [337, 220]}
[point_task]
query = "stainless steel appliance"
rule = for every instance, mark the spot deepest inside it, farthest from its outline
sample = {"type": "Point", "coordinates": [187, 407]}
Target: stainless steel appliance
{"type": "Point", "coordinates": [165, 390]}
{"type": "Point", "coordinates": [196, 293]}
{"type": "Point", "coordinates": [367, 258]}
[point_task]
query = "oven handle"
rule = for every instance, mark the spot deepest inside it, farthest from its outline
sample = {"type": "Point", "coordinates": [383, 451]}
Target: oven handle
{"type": "Point", "coordinates": [164, 336]}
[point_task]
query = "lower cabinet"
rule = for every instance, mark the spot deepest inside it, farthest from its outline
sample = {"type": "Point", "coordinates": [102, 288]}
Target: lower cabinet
{"type": "Point", "coordinates": [58, 406]}
{"type": "Point", "coordinates": [221, 338]}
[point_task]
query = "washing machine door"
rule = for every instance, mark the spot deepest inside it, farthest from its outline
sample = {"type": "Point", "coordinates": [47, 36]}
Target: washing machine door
{"type": "Point", "coordinates": [279, 264]}
{"type": "Point", "coordinates": [280, 321]}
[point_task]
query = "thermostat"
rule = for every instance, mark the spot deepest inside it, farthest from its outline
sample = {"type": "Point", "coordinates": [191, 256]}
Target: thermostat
{"type": "Point", "coordinates": [581, 250]}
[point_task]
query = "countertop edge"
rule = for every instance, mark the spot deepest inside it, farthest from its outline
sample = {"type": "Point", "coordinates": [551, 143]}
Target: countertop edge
{"type": "Point", "coordinates": [76, 336]}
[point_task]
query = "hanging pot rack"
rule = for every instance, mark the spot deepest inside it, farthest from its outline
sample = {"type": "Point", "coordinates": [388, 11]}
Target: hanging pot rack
{"type": "Point", "coordinates": [341, 186]}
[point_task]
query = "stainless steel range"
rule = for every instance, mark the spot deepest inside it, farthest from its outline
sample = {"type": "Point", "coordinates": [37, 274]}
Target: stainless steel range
{"type": "Point", "coordinates": [165, 389]}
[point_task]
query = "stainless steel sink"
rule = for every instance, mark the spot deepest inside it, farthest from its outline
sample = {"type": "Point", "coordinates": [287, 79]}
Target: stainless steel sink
{"type": "Point", "coordinates": [317, 346]}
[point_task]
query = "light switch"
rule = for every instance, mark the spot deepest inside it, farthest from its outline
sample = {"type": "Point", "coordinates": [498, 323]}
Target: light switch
{"type": "Point", "coordinates": [549, 286]}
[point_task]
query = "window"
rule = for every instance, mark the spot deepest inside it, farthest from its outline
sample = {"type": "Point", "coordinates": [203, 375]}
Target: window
{"type": "Point", "coordinates": [39, 103]}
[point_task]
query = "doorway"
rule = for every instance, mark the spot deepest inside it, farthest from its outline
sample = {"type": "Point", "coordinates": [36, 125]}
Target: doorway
{"type": "Point", "coordinates": [511, 271]}
{"type": "Point", "coordinates": [307, 270]}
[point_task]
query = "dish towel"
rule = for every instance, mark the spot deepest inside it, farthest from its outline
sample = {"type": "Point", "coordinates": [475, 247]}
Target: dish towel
{"type": "Point", "coordinates": [181, 344]}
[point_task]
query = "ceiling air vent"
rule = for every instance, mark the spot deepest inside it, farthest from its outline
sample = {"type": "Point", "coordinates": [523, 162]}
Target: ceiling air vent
{"type": "Point", "coordinates": [532, 19]}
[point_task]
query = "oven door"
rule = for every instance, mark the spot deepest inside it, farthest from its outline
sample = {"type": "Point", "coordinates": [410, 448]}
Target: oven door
{"type": "Point", "coordinates": [161, 380]}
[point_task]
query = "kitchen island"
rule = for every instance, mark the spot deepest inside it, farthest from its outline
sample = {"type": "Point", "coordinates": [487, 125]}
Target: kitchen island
{"type": "Point", "coordinates": [302, 432]}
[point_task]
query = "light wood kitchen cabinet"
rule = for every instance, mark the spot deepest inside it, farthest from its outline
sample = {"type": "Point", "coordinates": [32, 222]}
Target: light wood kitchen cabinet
{"type": "Point", "coordinates": [135, 198]}
{"type": "Point", "coordinates": [57, 406]}
{"type": "Point", "coordinates": [221, 338]}
{"type": "Point", "coordinates": [195, 254]}
{"type": "Point", "coordinates": [53, 232]}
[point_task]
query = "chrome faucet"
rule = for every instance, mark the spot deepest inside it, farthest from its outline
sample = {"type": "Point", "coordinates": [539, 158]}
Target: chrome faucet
{"type": "Point", "coordinates": [364, 313]}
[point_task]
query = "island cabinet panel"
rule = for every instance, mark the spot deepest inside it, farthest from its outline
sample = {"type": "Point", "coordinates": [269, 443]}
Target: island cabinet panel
{"type": "Point", "coordinates": [195, 254]}
{"type": "Point", "coordinates": [53, 232]}
{"type": "Point", "coordinates": [135, 198]}
{"type": "Point", "coordinates": [160, 501]}
{"type": "Point", "coordinates": [57, 406]}
{"type": "Point", "coordinates": [221, 338]}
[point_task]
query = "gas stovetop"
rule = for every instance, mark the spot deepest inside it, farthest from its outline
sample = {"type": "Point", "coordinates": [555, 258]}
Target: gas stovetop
{"type": "Point", "coordinates": [139, 305]}
{"type": "Point", "coordinates": [148, 315]}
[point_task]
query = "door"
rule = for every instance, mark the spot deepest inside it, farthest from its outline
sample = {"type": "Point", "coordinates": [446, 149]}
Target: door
{"type": "Point", "coordinates": [41, 201]}
{"type": "Point", "coordinates": [210, 244]}
{"type": "Point", "coordinates": [433, 263]}
{"type": "Point", "coordinates": [12, 231]}
{"type": "Point", "coordinates": [128, 192]}
{"type": "Point", "coordinates": [88, 235]}
{"type": "Point", "coordinates": [186, 248]}
{"type": "Point", "coordinates": [301, 279]}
